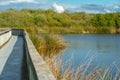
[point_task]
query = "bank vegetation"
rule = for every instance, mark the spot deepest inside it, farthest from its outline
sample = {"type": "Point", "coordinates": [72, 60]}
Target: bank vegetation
{"type": "Point", "coordinates": [52, 22]}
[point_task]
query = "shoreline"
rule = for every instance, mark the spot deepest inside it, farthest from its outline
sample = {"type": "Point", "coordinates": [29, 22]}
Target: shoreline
{"type": "Point", "coordinates": [79, 30]}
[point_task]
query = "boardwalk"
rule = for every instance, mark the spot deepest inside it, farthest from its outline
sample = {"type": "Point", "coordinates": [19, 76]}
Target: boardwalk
{"type": "Point", "coordinates": [19, 60]}
{"type": "Point", "coordinates": [11, 60]}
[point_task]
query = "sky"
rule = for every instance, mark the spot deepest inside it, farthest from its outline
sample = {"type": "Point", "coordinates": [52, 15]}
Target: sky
{"type": "Point", "coordinates": [90, 6]}
{"type": "Point", "coordinates": [82, 2]}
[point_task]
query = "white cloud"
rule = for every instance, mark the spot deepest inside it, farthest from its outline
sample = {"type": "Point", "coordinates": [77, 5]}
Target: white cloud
{"type": "Point", "coordinates": [7, 2]}
{"type": "Point", "coordinates": [116, 6]}
{"type": "Point", "coordinates": [19, 1]}
{"type": "Point", "coordinates": [4, 3]}
{"type": "Point", "coordinates": [57, 8]}
{"type": "Point", "coordinates": [107, 10]}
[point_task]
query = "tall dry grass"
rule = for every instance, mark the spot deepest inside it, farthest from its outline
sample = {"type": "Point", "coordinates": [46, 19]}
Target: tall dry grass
{"type": "Point", "coordinates": [63, 72]}
{"type": "Point", "coordinates": [47, 45]}
{"type": "Point", "coordinates": [80, 30]}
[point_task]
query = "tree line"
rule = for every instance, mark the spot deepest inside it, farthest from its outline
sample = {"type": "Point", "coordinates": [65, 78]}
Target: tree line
{"type": "Point", "coordinates": [49, 18]}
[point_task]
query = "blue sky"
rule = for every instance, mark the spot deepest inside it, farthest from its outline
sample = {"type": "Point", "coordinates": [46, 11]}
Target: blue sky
{"type": "Point", "coordinates": [70, 5]}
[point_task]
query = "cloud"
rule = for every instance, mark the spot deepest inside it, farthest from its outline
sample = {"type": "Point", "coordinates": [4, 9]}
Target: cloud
{"type": "Point", "coordinates": [92, 8]}
{"type": "Point", "coordinates": [4, 3]}
{"type": "Point", "coordinates": [20, 1]}
{"type": "Point", "coordinates": [108, 11]}
{"type": "Point", "coordinates": [116, 6]}
{"type": "Point", "coordinates": [8, 2]}
{"type": "Point", "coordinates": [57, 8]}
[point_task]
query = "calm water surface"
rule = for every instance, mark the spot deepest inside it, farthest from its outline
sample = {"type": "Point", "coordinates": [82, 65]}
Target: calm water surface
{"type": "Point", "coordinates": [103, 50]}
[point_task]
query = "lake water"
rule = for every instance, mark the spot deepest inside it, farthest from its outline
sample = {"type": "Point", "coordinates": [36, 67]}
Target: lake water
{"type": "Point", "coordinates": [101, 50]}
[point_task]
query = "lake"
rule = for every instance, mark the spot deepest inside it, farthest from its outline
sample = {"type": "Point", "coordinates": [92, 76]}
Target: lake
{"type": "Point", "coordinates": [99, 50]}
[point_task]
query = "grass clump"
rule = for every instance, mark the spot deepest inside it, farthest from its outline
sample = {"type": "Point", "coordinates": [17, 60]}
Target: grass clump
{"type": "Point", "coordinates": [54, 44]}
{"type": "Point", "coordinates": [47, 45]}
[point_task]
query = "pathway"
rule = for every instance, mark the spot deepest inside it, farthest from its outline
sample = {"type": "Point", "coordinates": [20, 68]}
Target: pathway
{"type": "Point", "coordinates": [11, 60]}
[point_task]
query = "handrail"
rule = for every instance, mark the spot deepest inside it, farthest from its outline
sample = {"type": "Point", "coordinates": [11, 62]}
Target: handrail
{"type": "Point", "coordinates": [5, 35]}
{"type": "Point", "coordinates": [3, 31]}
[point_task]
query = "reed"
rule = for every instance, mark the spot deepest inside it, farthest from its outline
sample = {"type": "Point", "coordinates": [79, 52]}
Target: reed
{"type": "Point", "coordinates": [62, 30]}
{"type": "Point", "coordinates": [63, 72]}
{"type": "Point", "coordinates": [47, 45]}
{"type": "Point", "coordinates": [80, 30]}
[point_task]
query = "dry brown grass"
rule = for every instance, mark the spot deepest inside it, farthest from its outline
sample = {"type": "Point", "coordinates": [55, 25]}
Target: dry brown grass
{"type": "Point", "coordinates": [47, 45]}
{"type": "Point", "coordinates": [81, 72]}
{"type": "Point", "coordinates": [80, 30]}
{"type": "Point", "coordinates": [50, 45]}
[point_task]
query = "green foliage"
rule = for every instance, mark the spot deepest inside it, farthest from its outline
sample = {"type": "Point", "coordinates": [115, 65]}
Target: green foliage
{"type": "Point", "coordinates": [106, 20]}
{"type": "Point", "coordinates": [13, 18]}
{"type": "Point", "coordinates": [49, 18]}
{"type": "Point", "coordinates": [40, 19]}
